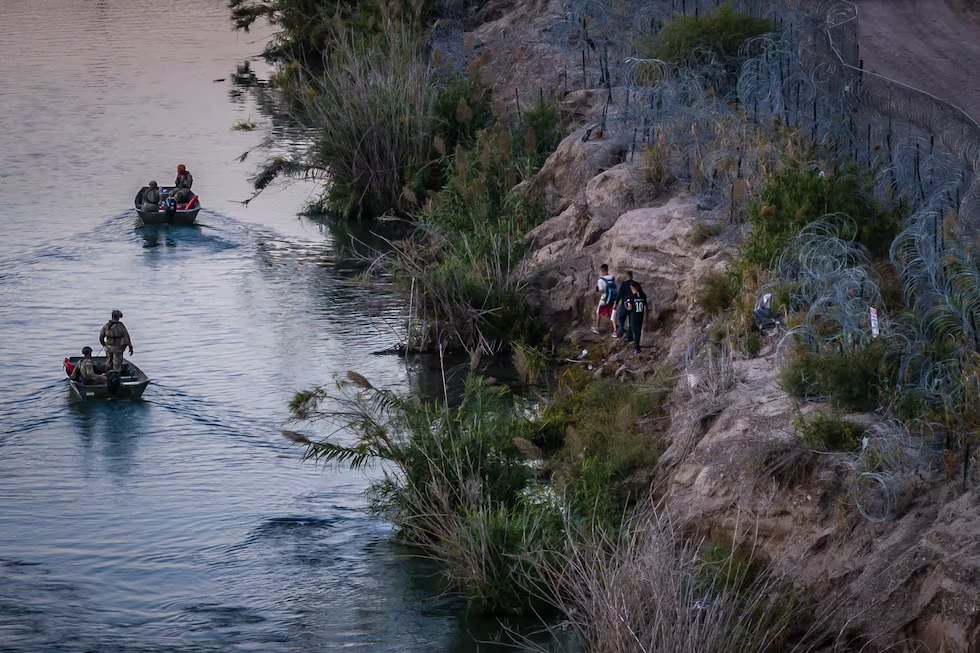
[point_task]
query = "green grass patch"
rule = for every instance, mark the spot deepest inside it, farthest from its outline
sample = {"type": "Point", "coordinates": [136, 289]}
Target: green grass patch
{"type": "Point", "coordinates": [851, 380]}
{"type": "Point", "coordinates": [793, 198]}
{"type": "Point", "coordinates": [711, 37]}
{"type": "Point", "coordinates": [825, 431]}
{"type": "Point", "coordinates": [716, 291]}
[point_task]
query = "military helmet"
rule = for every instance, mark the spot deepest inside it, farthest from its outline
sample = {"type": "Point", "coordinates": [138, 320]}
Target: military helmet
{"type": "Point", "coordinates": [153, 184]}
{"type": "Point", "coordinates": [86, 351]}
{"type": "Point", "coordinates": [116, 314]}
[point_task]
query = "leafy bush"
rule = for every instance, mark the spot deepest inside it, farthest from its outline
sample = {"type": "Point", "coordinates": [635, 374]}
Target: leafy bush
{"type": "Point", "coordinates": [371, 109]}
{"type": "Point", "coordinates": [713, 37]}
{"type": "Point", "coordinates": [793, 198]}
{"type": "Point", "coordinates": [469, 243]}
{"type": "Point", "coordinates": [828, 432]}
{"type": "Point", "coordinates": [716, 291]}
{"type": "Point", "coordinates": [605, 441]}
{"type": "Point", "coordinates": [462, 109]}
{"type": "Point", "coordinates": [851, 380]}
{"type": "Point", "coordinates": [752, 344]}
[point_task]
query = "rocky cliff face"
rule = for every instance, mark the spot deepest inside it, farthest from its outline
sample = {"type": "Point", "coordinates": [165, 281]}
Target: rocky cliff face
{"type": "Point", "coordinates": [733, 465]}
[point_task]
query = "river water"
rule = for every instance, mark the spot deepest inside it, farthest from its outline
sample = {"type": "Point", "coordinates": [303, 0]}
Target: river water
{"type": "Point", "coordinates": [184, 522]}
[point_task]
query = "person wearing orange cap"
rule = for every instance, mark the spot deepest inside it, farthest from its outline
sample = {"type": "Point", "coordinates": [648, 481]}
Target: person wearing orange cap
{"type": "Point", "coordinates": [184, 178]}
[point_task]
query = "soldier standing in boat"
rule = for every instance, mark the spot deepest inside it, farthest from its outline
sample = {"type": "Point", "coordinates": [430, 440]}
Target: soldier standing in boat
{"type": "Point", "coordinates": [115, 338]}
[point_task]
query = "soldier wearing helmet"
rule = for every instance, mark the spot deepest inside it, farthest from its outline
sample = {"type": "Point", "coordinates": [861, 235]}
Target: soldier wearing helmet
{"type": "Point", "coordinates": [84, 372]}
{"type": "Point", "coordinates": [184, 178]}
{"type": "Point", "coordinates": [151, 197]}
{"type": "Point", "coordinates": [115, 338]}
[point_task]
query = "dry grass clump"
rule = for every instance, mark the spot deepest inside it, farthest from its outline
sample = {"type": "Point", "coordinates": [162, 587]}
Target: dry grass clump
{"type": "Point", "coordinates": [651, 589]}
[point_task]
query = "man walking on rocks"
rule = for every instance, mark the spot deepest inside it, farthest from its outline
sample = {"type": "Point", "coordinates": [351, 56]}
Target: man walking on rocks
{"type": "Point", "coordinates": [638, 309]}
{"type": "Point", "coordinates": [606, 287]}
{"type": "Point", "coordinates": [622, 310]}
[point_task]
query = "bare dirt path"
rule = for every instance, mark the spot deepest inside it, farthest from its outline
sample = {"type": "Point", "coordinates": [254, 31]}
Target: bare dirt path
{"type": "Point", "coordinates": [926, 44]}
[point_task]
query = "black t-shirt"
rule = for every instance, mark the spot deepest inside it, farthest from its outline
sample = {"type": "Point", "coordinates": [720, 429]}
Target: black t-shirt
{"type": "Point", "coordinates": [624, 292]}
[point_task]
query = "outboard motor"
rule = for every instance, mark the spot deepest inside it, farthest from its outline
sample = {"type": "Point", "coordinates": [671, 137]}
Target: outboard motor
{"type": "Point", "coordinates": [113, 380]}
{"type": "Point", "coordinates": [170, 207]}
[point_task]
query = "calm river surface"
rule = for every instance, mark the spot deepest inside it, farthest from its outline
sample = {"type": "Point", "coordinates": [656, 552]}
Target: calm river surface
{"type": "Point", "coordinates": [184, 522]}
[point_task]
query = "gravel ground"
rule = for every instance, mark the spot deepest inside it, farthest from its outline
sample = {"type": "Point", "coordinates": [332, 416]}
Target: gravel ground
{"type": "Point", "coordinates": [926, 44]}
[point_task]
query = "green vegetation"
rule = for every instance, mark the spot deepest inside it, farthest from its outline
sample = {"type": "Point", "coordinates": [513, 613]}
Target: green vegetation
{"type": "Point", "coordinates": [851, 380]}
{"type": "Point", "coordinates": [716, 292]}
{"type": "Point", "coordinates": [469, 240]}
{"type": "Point", "coordinates": [828, 432]}
{"type": "Point", "coordinates": [752, 343]}
{"type": "Point", "coordinates": [712, 37]}
{"type": "Point", "coordinates": [793, 198]}
{"type": "Point", "coordinates": [457, 482]}
{"type": "Point", "coordinates": [303, 28]}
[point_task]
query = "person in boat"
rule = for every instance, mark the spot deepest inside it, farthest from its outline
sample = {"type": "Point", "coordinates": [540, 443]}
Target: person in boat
{"type": "Point", "coordinates": [151, 197]}
{"type": "Point", "coordinates": [184, 178]}
{"type": "Point", "coordinates": [182, 195]}
{"type": "Point", "coordinates": [115, 338]}
{"type": "Point", "coordinates": [84, 372]}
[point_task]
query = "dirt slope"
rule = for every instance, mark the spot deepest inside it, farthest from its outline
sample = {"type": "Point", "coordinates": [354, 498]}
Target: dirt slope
{"type": "Point", "coordinates": [926, 44]}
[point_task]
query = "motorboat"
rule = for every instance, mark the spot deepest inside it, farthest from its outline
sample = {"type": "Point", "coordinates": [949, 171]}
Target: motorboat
{"type": "Point", "coordinates": [169, 211]}
{"type": "Point", "coordinates": [129, 384]}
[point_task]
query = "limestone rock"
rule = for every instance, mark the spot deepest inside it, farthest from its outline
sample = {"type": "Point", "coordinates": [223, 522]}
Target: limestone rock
{"type": "Point", "coordinates": [619, 189]}
{"type": "Point", "coordinates": [563, 178]}
{"type": "Point", "coordinates": [655, 244]}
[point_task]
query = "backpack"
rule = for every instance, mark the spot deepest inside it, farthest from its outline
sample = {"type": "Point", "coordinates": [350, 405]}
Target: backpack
{"type": "Point", "coordinates": [611, 292]}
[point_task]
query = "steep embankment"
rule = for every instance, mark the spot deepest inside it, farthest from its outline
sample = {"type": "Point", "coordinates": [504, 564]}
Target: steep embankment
{"type": "Point", "coordinates": [734, 462]}
{"type": "Point", "coordinates": [928, 44]}
{"type": "Point", "coordinates": [886, 561]}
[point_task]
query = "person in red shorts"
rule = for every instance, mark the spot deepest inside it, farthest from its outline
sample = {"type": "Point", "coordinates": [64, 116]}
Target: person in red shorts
{"type": "Point", "coordinates": [606, 287]}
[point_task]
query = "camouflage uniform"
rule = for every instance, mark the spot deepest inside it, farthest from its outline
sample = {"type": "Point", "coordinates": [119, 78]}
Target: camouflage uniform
{"type": "Point", "coordinates": [85, 372]}
{"type": "Point", "coordinates": [115, 338]}
{"type": "Point", "coordinates": [184, 180]}
{"type": "Point", "coordinates": [151, 199]}
{"type": "Point", "coordinates": [182, 195]}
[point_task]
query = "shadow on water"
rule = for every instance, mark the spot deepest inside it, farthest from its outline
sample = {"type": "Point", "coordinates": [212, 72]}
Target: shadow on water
{"type": "Point", "coordinates": [112, 427]}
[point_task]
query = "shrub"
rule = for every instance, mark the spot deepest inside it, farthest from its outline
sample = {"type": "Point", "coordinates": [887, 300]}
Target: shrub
{"type": "Point", "coordinates": [713, 37]}
{"type": "Point", "coordinates": [605, 441]}
{"type": "Point", "coordinates": [462, 109]}
{"type": "Point", "coordinates": [371, 110]}
{"type": "Point", "coordinates": [794, 197]}
{"type": "Point", "coordinates": [543, 131]}
{"type": "Point", "coordinates": [851, 380]}
{"type": "Point", "coordinates": [752, 344]}
{"type": "Point", "coordinates": [648, 588]}
{"type": "Point", "coordinates": [716, 291]}
{"type": "Point", "coordinates": [910, 405]}
{"type": "Point", "coordinates": [703, 231]}
{"type": "Point", "coordinates": [828, 432]}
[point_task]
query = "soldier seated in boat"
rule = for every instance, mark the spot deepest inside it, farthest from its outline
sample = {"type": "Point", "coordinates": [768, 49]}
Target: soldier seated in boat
{"type": "Point", "coordinates": [182, 195]}
{"type": "Point", "coordinates": [151, 197]}
{"type": "Point", "coordinates": [84, 372]}
{"type": "Point", "coordinates": [184, 178]}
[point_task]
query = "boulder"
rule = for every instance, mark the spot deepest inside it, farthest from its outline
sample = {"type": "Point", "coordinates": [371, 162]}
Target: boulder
{"type": "Point", "coordinates": [619, 189]}
{"type": "Point", "coordinates": [655, 244]}
{"type": "Point", "coordinates": [563, 178]}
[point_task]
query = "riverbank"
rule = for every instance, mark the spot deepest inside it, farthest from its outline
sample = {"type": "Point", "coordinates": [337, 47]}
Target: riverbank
{"type": "Point", "coordinates": [838, 450]}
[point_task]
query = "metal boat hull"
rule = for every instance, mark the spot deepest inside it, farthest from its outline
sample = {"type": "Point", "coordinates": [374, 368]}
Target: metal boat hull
{"type": "Point", "coordinates": [178, 217]}
{"type": "Point", "coordinates": [133, 383]}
